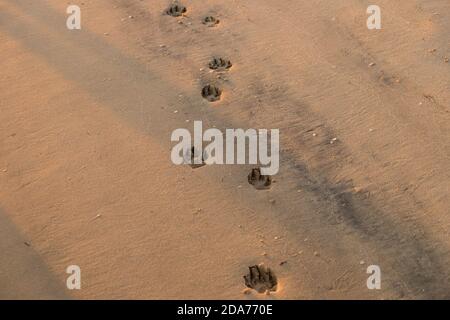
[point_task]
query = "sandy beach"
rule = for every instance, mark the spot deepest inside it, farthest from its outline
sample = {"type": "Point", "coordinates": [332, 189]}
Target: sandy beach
{"type": "Point", "coordinates": [86, 176]}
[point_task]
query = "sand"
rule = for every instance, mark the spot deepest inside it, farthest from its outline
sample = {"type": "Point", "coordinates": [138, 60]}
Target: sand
{"type": "Point", "coordinates": [85, 171]}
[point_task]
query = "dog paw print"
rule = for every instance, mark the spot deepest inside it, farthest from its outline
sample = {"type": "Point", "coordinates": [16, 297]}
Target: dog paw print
{"type": "Point", "coordinates": [258, 180]}
{"type": "Point", "coordinates": [176, 10]}
{"type": "Point", "coordinates": [211, 93]}
{"type": "Point", "coordinates": [195, 158]}
{"type": "Point", "coordinates": [261, 279]}
{"type": "Point", "coordinates": [220, 64]}
{"type": "Point", "coordinates": [210, 21]}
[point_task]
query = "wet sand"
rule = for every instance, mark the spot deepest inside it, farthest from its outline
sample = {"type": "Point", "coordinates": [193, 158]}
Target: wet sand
{"type": "Point", "coordinates": [86, 177]}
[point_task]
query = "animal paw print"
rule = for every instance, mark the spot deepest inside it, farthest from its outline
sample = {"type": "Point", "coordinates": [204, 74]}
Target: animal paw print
{"type": "Point", "coordinates": [195, 158]}
{"type": "Point", "coordinates": [258, 180]}
{"type": "Point", "coordinates": [220, 64]}
{"type": "Point", "coordinates": [210, 21]}
{"type": "Point", "coordinates": [261, 279]}
{"type": "Point", "coordinates": [176, 10]}
{"type": "Point", "coordinates": [211, 93]}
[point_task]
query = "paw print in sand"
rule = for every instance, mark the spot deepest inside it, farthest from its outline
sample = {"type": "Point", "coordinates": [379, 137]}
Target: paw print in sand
{"type": "Point", "coordinates": [258, 180]}
{"type": "Point", "coordinates": [176, 10]}
{"type": "Point", "coordinates": [220, 64]}
{"type": "Point", "coordinates": [195, 158]}
{"type": "Point", "coordinates": [211, 93]}
{"type": "Point", "coordinates": [210, 21]}
{"type": "Point", "coordinates": [261, 279]}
